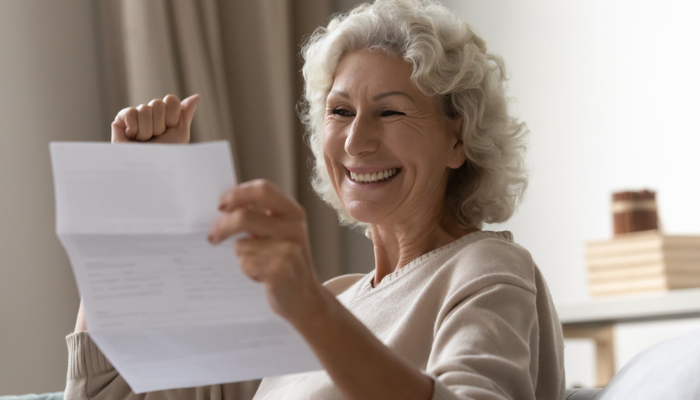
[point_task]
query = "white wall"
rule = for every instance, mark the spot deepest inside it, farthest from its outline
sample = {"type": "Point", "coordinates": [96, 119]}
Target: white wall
{"type": "Point", "coordinates": [48, 91]}
{"type": "Point", "coordinates": [611, 93]}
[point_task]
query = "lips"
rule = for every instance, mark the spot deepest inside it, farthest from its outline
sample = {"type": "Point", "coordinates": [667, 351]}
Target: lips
{"type": "Point", "coordinates": [373, 177]}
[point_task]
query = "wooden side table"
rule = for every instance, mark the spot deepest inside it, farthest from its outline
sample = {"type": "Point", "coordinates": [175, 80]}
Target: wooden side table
{"type": "Point", "coordinates": [595, 319]}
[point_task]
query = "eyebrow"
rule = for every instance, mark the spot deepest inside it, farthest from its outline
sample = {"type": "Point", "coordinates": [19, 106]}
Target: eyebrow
{"type": "Point", "coordinates": [377, 97]}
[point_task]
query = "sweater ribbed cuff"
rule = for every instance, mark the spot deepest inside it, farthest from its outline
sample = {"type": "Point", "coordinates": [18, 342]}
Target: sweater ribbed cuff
{"type": "Point", "coordinates": [84, 357]}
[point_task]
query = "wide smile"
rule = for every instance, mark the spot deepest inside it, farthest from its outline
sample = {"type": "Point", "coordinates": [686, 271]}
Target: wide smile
{"type": "Point", "coordinates": [368, 178]}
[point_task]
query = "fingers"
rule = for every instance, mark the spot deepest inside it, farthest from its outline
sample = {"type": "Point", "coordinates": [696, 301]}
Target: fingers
{"type": "Point", "coordinates": [262, 210]}
{"type": "Point", "coordinates": [131, 120]}
{"type": "Point", "coordinates": [158, 107]}
{"type": "Point", "coordinates": [168, 117]}
{"type": "Point", "coordinates": [119, 131]}
{"type": "Point", "coordinates": [265, 195]}
{"type": "Point", "coordinates": [172, 110]}
{"type": "Point", "coordinates": [127, 121]}
{"type": "Point", "coordinates": [133, 124]}
{"type": "Point", "coordinates": [125, 125]}
{"type": "Point", "coordinates": [145, 123]}
{"type": "Point", "coordinates": [257, 224]}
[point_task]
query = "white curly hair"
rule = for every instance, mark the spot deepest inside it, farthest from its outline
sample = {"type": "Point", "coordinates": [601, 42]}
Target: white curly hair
{"type": "Point", "coordinates": [449, 62]}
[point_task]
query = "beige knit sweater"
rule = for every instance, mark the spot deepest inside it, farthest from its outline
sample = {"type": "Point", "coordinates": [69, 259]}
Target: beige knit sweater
{"type": "Point", "coordinates": [475, 315]}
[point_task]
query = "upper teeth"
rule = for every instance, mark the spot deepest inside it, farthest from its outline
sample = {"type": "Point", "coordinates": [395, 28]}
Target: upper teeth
{"type": "Point", "coordinates": [374, 176]}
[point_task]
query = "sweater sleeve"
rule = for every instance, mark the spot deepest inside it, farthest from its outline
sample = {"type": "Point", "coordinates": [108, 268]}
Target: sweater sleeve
{"type": "Point", "coordinates": [486, 345]}
{"type": "Point", "coordinates": [92, 376]}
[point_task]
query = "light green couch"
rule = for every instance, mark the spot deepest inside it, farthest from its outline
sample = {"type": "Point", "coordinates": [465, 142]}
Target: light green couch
{"type": "Point", "coordinates": [571, 394]}
{"type": "Point", "coordinates": [45, 396]}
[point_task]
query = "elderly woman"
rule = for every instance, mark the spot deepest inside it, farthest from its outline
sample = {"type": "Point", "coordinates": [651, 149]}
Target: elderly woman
{"type": "Point", "coordinates": [408, 122]}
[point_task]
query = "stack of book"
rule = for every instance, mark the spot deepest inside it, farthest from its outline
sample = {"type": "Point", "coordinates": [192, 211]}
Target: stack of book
{"type": "Point", "coordinates": [645, 261]}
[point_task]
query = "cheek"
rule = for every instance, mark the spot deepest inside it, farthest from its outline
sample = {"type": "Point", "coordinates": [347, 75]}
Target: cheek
{"type": "Point", "coordinates": [330, 146]}
{"type": "Point", "coordinates": [423, 145]}
{"type": "Point", "coordinates": [326, 141]}
{"type": "Point", "coordinates": [333, 142]}
{"type": "Point", "coordinates": [412, 140]}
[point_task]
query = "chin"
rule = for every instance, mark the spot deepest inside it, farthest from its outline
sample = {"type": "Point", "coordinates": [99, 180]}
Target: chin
{"type": "Point", "coordinates": [367, 213]}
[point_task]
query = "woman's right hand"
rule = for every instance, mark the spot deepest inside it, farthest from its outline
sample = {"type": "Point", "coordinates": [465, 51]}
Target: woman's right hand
{"type": "Point", "coordinates": [159, 121]}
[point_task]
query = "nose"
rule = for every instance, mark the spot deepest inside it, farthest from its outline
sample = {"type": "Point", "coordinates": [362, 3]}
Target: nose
{"type": "Point", "coordinates": [363, 136]}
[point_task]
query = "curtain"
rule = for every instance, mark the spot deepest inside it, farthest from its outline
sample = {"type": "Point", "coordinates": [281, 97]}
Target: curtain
{"type": "Point", "coordinates": [242, 57]}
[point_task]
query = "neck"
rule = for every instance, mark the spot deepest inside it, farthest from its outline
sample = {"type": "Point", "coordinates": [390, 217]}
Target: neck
{"type": "Point", "coordinates": [397, 244]}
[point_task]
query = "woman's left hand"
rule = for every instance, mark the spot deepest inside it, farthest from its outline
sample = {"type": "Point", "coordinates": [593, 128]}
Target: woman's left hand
{"type": "Point", "coordinates": [278, 252]}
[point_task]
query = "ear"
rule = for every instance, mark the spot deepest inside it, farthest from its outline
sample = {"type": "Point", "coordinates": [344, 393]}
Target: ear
{"type": "Point", "coordinates": [457, 156]}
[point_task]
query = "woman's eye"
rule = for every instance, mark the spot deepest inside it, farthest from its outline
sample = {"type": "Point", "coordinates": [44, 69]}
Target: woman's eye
{"type": "Point", "coordinates": [391, 113]}
{"type": "Point", "coordinates": [341, 112]}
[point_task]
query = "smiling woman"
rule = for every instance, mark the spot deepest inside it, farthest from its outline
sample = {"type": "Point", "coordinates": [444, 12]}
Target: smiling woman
{"type": "Point", "coordinates": [445, 69]}
{"type": "Point", "coordinates": [408, 121]}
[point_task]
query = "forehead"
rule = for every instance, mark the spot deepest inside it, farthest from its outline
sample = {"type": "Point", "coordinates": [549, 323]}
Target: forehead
{"type": "Point", "coordinates": [372, 72]}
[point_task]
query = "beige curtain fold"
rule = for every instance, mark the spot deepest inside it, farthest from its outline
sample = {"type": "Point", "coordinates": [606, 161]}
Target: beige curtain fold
{"type": "Point", "coordinates": [242, 57]}
{"type": "Point", "coordinates": [260, 84]}
{"type": "Point", "coordinates": [175, 47]}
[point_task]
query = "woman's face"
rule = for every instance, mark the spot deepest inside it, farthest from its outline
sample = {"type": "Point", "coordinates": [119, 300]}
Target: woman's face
{"type": "Point", "coordinates": [387, 148]}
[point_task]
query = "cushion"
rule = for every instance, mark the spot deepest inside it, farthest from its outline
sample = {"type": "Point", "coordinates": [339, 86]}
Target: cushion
{"type": "Point", "coordinates": [669, 370]}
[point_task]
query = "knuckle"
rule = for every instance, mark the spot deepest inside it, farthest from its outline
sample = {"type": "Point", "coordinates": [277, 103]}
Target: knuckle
{"type": "Point", "coordinates": [144, 109]}
{"type": "Point", "coordinates": [156, 103]}
{"type": "Point", "coordinates": [241, 217]}
{"type": "Point", "coordinates": [266, 187]}
{"type": "Point", "coordinates": [225, 200]}
{"type": "Point", "coordinates": [131, 116]}
{"type": "Point", "coordinates": [220, 225]}
{"type": "Point", "coordinates": [230, 194]}
{"type": "Point", "coordinates": [171, 99]}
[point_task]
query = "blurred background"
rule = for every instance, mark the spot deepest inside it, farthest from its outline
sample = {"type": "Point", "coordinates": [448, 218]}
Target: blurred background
{"type": "Point", "coordinates": [609, 90]}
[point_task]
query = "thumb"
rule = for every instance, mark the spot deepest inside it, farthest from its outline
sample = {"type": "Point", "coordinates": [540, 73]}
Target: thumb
{"type": "Point", "coordinates": [189, 105]}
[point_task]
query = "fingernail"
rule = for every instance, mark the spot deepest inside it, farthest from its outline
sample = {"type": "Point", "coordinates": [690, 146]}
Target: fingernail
{"type": "Point", "coordinates": [211, 238]}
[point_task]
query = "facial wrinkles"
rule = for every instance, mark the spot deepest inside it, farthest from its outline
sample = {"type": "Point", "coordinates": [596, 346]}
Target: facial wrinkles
{"type": "Point", "coordinates": [427, 188]}
{"type": "Point", "coordinates": [423, 202]}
